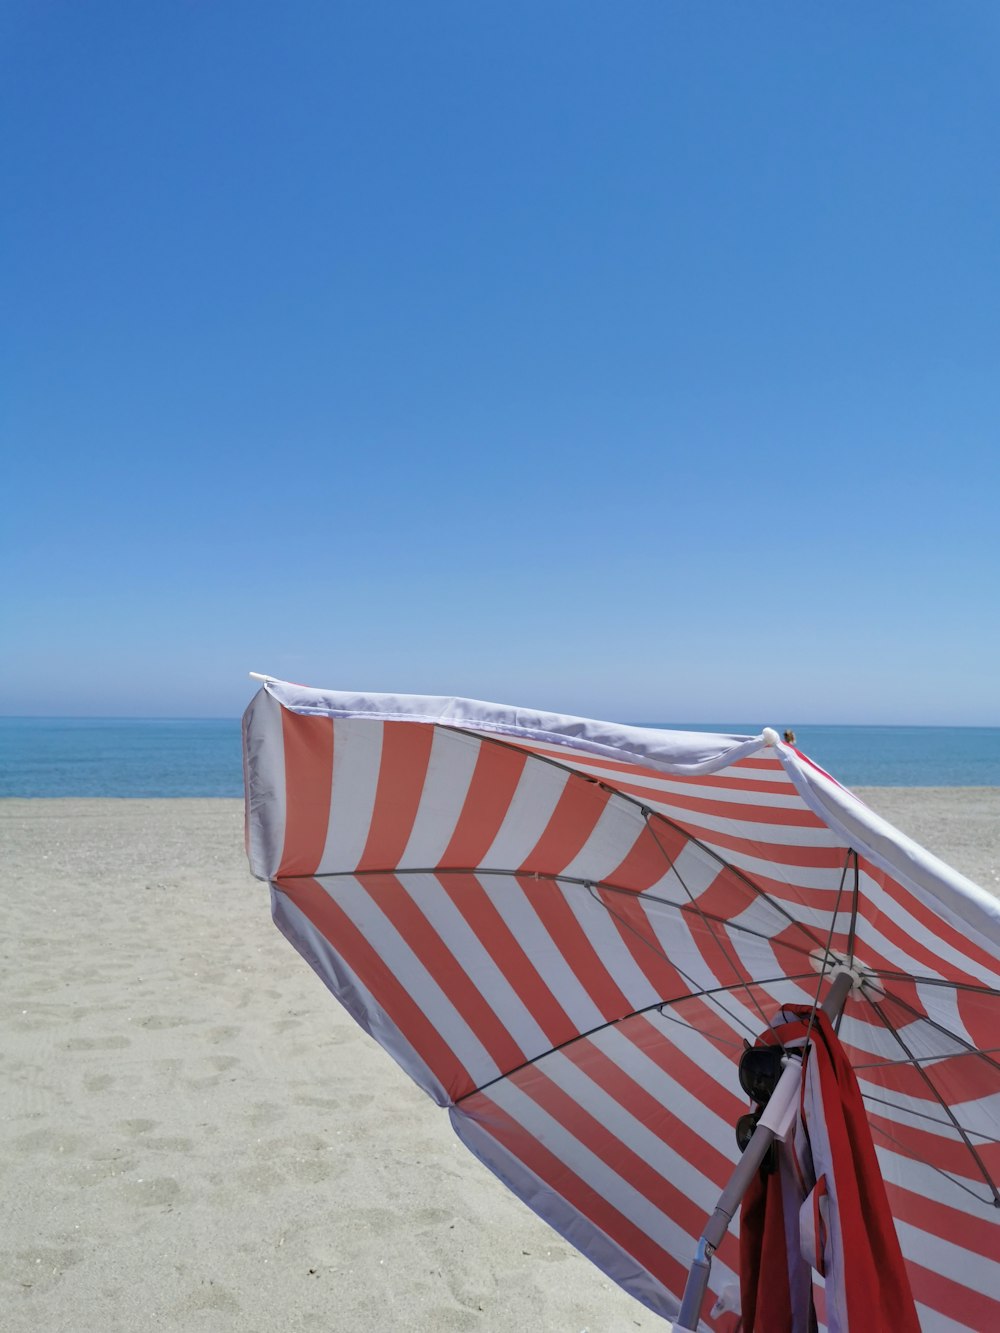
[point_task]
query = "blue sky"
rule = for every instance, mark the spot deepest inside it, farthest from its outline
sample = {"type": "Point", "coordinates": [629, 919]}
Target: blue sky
{"type": "Point", "coordinates": [637, 360]}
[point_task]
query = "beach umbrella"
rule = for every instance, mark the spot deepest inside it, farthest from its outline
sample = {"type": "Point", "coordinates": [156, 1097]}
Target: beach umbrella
{"type": "Point", "coordinates": [568, 932]}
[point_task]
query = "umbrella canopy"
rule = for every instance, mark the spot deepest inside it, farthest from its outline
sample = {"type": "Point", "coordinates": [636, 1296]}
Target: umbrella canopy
{"type": "Point", "coordinates": [566, 930]}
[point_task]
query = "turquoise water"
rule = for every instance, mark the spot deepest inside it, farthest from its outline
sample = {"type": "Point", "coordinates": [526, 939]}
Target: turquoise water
{"type": "Point", "coordinates": [167, 757]}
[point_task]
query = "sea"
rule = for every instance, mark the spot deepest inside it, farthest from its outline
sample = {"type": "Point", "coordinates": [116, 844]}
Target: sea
{"type": "Point", "coordinates": [160, 757]}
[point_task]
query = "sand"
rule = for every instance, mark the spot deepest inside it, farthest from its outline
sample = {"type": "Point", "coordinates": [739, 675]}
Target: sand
{"type": "Point", "coordinates": [193, 1135]}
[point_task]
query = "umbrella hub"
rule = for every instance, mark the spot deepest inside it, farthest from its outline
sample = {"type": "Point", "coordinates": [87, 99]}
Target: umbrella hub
{"type": "Point", "coordinates": [864, 983]}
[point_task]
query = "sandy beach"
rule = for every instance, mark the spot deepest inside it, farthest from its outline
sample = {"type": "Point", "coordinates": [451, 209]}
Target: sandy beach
{"type": "Point", "coordinates": [193, 1134]}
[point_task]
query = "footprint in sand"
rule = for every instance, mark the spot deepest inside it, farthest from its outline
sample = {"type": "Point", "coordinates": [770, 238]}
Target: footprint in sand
{"type": "Point", "coordinates": [136, 1126]}
{"type": "Point", "coordinates": [209, 1296]}
{"type": "Point", "coordinates": [152, 1193]}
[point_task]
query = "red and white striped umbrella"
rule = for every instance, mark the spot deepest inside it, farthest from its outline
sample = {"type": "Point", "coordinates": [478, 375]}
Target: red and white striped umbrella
{"type": "Point", "coordinates": [564, 931]}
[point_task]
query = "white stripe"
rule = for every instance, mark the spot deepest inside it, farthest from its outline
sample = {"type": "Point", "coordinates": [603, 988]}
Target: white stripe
{"type": "Point", "coordinates": [600, 767]}
{"type": "Point", "coordinates": [446, 785]}
{"type": "Point", "coordinates": [602, 932]}
{"type": "Point", "coordinates": [625, 1126]}
{"type": "Point", "coordinates": [466, 947]}
{"type": "Point", "coordinates": [758, 959]}
{"type": "Point", "coordinates": [673, 933]}
{"type": "Point", "coordinates": [950, 1259]}
{"type": "Point", "coordinates": [763, 917]}
{"type": "Point", "coordinates": [680, 1099]}
{"type": "Point", "coordinates": [917, 1177]}
{"type": "Point", "coordinates": [347, 986]}
{"type": "Point", "coordinates": [795, 876]}
{"type": "Point", "coordinates": [612, 838]}
{"type": "Point", "coordinates": [704, 1054]}
{"type": "Point", "coordinates": [881, 903]}
{"type": "Point", "coordinates": [642, 788]}
{"type": "Point", "coordinates": [545, 1200]}
{"type": "Point", "coordinates": [878, 1041]}
{"type": "Point", "coordinates": [264, 776]}
{"type": "Point", "coordinates": [410, 973]}
{"type": "Point", "coordinates": [594, 1171]}
{"type": "Point", "coordinates": [695, 871]}
{"type": "Point", "coordinates": [357, 756]}
{"type": "Point", "coordinates": [528, 815]}
{"type": "Point", "coordinates": [941, 1004]}
{"type": "Point", "coordinates": [934, 1321]}
{"type": "Point", "coordinates": [792, 835]}
{"type": "Point", "coordinates": [522, 920]}
{"type": "Point", "coordinates": [932, 1120]}
{"type": "Point", "coordinates": [979, 1116]}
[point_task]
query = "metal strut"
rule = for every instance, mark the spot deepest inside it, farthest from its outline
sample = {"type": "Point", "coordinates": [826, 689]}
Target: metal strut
{"type": "Point", "coordinates": [747, 1167]}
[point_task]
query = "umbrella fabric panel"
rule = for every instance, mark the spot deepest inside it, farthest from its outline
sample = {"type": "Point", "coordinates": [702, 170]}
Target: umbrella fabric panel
{"type": "Point", "coordinates": [593, 1123]}
{"type": "Point", "coordinates": [478, 899]}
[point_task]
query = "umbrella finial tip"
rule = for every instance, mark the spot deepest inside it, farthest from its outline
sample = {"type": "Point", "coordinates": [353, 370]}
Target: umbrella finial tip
{"type": "Point", "coordinates": [770, 736]}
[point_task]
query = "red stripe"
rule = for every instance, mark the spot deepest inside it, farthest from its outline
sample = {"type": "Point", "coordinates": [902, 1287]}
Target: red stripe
{"type": "Point", "coordinates": [945, 1151]}
{"type": "Point", "coordinates": [580, 806]}
{"type": "Point", "coordinates": [563, 1181]}
{"type": "Point", "coordinates": [615, 1152]}
{"type": "Point", "coordinates": [598, 764]}
{"type": "Point", "coordinates": [933, 922]}
{"type": "Point", "coordinates": [729, 894]}
{"type": "Point", "coordinates": [496, 937]}
{"type": "Point", "coordinates": [571, 940]}
{"type": "Point", "coordinates": [406, 751]}
{"type": "Point", "coordinates": [823, 857]}
{"type": "Point", "coordinates": [764, 785]}
{"type": "Point", "coordinates": [639, 938]}
{"type": "Point", "coordinates": [978, 1234]}
{"type": "Point", "coordinates": [778, 815]}
{"type": "Point", "coordinates": [650, 1112]}
{"type": "Point", "coordinates": [395, 899]}
{"type": "Point", "coordinates": [871, 918]}
{"type": "Point", "coordinates": [953, 1298]}
{"type": "Point", "coordinates": [653, 1040]}
{"type": "Point", "coordinates": [981, 1016]}
{"type": "Point", "coordinates": [957, 1078]}
{"type": "Point", "coordinates": [494, 781]}
{"type": "Point", "coordinates": [649, 858]}
{"type": "Point", "coordinates": [716, 948]}
{"type": "Point", "coordinates": [308, 745]}
{"type": "Point", "coordinates": [339, 930]}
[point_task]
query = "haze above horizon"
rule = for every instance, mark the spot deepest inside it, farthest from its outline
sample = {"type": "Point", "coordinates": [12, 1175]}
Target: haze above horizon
{"type": "Point", "coordinates": [626, 363]}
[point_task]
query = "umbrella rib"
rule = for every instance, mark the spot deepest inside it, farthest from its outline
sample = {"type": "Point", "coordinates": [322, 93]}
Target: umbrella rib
{"type": "Point", "coordinates": [933, 981]}
{"type": "Point", "coordinates": [925, 1018]}
{"type": "Point", "coordinates": [944, 1124]}
{"type": "Point", "coordinates": [952, 1180]}
{"type": "Point", "coordinates": [926, 1059]}
{"type": "Point", "coordinates": [656, 949]}
{"type": "Point", "coordinates": [570, 1041]}
{"type": "Point", "coordinates": [941, 1101]}
{"type": "Point", "coordinates": [647, 814]}
{"type": "Point", "coordinates": [852, 932]}
{"type": "Point", "coordinates": [575, 880]}
{"type": "Point", "coordinates": [682, 907]}
{"type": "Point", "coordinates": [725, 952]}
{"type": "Point", "coordinates": [634, 1013]}
{"type": "Point", "coordinates": [827, 955]}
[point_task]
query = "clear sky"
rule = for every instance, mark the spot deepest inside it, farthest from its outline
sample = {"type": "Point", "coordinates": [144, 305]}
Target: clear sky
{"type": "Point", "coordinates": [633, 359]}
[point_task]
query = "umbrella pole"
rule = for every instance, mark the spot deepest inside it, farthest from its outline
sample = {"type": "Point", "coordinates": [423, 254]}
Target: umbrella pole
{"type": "Point", "coordinates": [769, 1127]}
